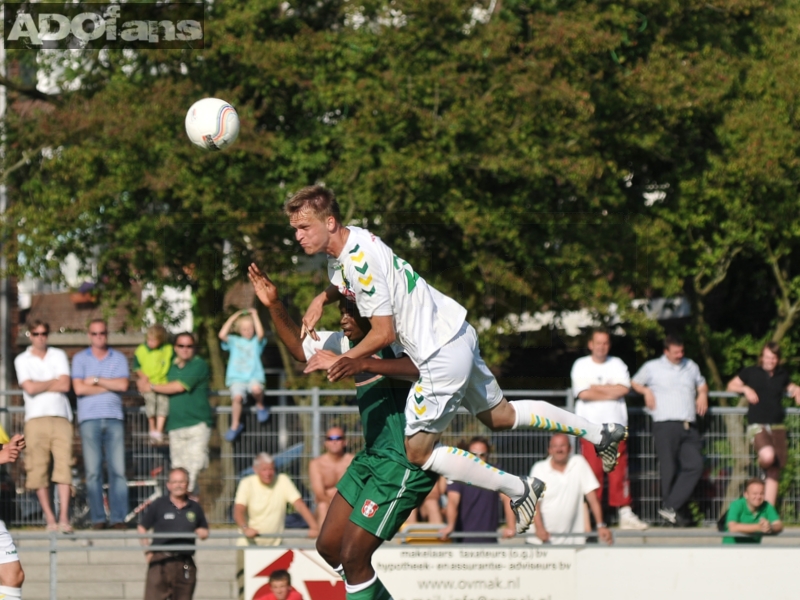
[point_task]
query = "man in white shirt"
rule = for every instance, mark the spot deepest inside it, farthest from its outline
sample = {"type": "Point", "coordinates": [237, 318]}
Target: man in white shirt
{"type": "Point", "coordinates": [600, 382]}
{"type": "Point", "coordinates": [43, 374]}
{"type": "Point", "coordinates": [569, 480]}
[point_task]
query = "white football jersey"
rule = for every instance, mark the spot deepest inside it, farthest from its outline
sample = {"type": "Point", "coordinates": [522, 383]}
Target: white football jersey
{"type": "Point", "coordinates": [383, 284]}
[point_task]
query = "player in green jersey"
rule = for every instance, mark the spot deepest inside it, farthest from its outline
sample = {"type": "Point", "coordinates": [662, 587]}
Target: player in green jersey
{"type": "Point", "coordinates": [380, 487]}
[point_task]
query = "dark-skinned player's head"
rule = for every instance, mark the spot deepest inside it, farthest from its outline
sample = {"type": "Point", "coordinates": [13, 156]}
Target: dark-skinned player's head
{"type": "Point", "coordinates": [354, 326]}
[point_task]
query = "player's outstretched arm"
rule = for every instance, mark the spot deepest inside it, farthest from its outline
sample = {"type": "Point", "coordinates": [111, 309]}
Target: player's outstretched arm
{"type": "Point", "coordinates": [396, 368]}
{"type": "Point", "coordinates": [285, 327]}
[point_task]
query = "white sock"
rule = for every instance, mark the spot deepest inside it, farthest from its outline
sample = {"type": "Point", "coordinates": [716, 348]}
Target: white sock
{"type": "Point", "coordinates": [352, 589]}
{"type": "Point", "coordinates": [459, 465]}
{"type": "Point", "coordinates": [537, 414]}
{"type": "Point", "coordinates": [9, 592]}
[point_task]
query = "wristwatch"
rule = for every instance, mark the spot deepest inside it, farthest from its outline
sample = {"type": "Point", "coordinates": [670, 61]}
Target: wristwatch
{"type": "Point", "coordinates": [602, 526]}
{"type": "Point", "coordinates": [95, 381]}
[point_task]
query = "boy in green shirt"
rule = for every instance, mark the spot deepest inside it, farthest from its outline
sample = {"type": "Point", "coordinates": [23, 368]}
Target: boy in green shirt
{"type": "Point", "coordinates": [752, 514]}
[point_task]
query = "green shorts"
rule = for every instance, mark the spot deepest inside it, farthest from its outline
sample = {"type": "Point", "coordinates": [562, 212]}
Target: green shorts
{"type": "Point", "coordinates": [383, 492]}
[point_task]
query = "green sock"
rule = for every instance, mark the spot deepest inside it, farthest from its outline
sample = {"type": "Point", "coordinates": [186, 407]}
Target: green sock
{"type": "Point", "coordinates": [371, 590]}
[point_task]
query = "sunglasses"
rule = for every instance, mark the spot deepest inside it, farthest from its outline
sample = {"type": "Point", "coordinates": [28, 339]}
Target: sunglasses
{"type": "Point", "coordinates": [184, 345]}
{"type": "Point", "coordinates": [334, 438]}
{"type": "Point", "coordinates": [39, 334]}
{"type": "Point", "coordinates": [93, 333]}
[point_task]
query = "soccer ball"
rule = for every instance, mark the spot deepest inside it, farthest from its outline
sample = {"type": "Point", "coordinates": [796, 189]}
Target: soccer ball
{"type": "Point", "coordinates": [212, 124]}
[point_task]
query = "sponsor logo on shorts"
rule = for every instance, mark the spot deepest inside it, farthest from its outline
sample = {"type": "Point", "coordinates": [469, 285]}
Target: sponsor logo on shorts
{"type": "Point", "coordinates": [369, 509]}
{"type": "Point", "coordinates": [10, 552]}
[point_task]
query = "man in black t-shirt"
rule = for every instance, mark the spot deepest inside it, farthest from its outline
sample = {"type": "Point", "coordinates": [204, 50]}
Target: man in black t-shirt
{"type": "Point", "coordinates": [170, 574]}
{"type": "Point", "coordinates": [764, 387]}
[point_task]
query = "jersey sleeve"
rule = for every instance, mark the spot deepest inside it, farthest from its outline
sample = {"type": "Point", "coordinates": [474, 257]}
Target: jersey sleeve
{"type": "Point", "coordinates": [589, 482]}
{"type": "Point", "coordinates": [578, 378]}
{"type": "Point", "coordinates": [289, 489]}
{"type": "Point", "coordinates": [642, 376]}
{"type": "Point", "coordinates": [734, 513]}
{"type": "Point", "coordinates": [78, 367]}
{"type": "Point", "coordinates": [622, 373]}
{"type": "Point", "coordinates": [770, 513]}
{"type": "Point", "coordinates": [21, 368]}
{"type": "Point", "coordinates": [746, 375]}
{"type": "Point", "coordinates": [698, 376]}
{"type": "Point", "coordinates": [243, 493]}
{"type": "Point", "coordinates": [328, 340]}
{"type": "Point", "coordinates": [202, 522]}
{"type": "Point", "coordinates": [62, 363]}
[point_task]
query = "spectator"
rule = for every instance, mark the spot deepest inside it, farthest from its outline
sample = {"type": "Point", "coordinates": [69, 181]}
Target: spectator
{"type": "Point", "coordinates": [752, 514]}
{"type": "Point", "coordinates": [190, 413]}
{"type": "Point", "coordinates": [260, 503]}
{"type": "Point", "coordinates": [430, 510]}
{"type": "Point", "coordinates": [600, 382]}
{"type": "Point", "coordinates": [151, 362]}
{"type": "Point", "coordinates": [280, 585]}
{"type": "Point", "coordinates": [245, 373]}
{"type": "Point", "coordinates": [472, 509]}
{"type": "Point", "coordinates": [763, 386]}
{"type": "Point", "coordinates": [570, 480]}
{"type": "Point", "coordinates": [172, 574]}
{"type": "Point", "coordinates": [326, 470]}
{"type": "Point", "coordinates": [674, 393]}
{"type": "Point", "coordinates": [99, 375]}
{"type": "Point", "coordinates": [43, 374]}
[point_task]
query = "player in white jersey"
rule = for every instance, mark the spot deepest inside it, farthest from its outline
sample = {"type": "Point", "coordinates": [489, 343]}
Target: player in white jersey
{"type": "Point", "coordinates": [11, 573]}
{"type": "Point", "coordinates": [433, 330]}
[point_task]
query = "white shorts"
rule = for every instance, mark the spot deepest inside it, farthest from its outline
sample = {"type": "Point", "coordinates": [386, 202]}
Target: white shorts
{"type": "Point", "coordinates": [454, 375]}
{"type": "Point", "coordinates": [8, 551]}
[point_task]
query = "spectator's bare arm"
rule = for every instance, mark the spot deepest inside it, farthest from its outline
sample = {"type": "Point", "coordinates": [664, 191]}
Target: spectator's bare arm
{"type": "Point", "coordinates": [609, 391]}
{"type": "Point", "coordinates": [240, 518]}
{"type": "Point", "coordinates": [450, 514]}
{"type": "Point", "coordinates": [317, 482]}
{"type": "Point", "coordinates": [510, 529]}
{"type": "Point", "coordinates": [649, 397]}
{"type": "Point", "coordinates": [311, 521]}
{"type": "Point", "coordinates": [604, 533]}
{"type": "Point", "coordinates": [701, 402]}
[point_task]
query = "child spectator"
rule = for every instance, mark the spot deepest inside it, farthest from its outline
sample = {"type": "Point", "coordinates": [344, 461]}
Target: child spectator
{"type": "Point", "coordinates": [280, 584]}
{"type": "Point", "coordinates": [752, 514]}
{"type": "Point", "coordinates": [151, 360]}
{"type": "Point", "coordinates": [245, 373]}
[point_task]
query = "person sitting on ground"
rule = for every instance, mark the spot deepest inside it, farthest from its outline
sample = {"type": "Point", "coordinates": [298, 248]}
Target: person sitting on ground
{"type": "Point", "coordinates": [326, 470]}
{"type": "Point", "coordinates": [752, 514]}
{"type": "Point", "coordinates": [259, 507]}
{"type": "Point", "coordinates": [151, 361]}
{"type": "Point", "coordinates": [280, 585]}
{"type": "Point", "coordinates": [245, 373]}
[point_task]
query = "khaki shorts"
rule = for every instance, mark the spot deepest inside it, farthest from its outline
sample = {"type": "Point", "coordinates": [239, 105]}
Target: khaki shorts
{"type": "Point", "coordinates": [45, 436]}
{"type": "Point", "coordinates": [188, 448]}
{"type": "Point", "coordinates": [771, 435]}
{"type": "Point", "coordinates": [155, 405]}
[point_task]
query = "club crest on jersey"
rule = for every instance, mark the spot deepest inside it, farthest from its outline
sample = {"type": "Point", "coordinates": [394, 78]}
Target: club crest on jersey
{"type": "Point", "coordinates": [369, 509]}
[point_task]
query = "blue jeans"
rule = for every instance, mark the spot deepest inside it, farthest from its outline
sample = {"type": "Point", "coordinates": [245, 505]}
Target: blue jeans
{"type": "Point", "coordinates": [101, 437]}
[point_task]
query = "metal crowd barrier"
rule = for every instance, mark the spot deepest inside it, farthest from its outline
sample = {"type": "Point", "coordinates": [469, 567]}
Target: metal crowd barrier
{"type": "Point", "coordinates": [293, 434]}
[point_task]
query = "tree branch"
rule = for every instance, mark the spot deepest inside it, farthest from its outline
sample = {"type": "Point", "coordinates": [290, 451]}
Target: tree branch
{"type": "Point", "coordinates": [30, 92]}
{"type": "Point", "coordinates": [26, 158]}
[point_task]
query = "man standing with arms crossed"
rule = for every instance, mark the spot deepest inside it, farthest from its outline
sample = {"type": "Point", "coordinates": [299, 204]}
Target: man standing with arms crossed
{"type": "Point", "coordinates": [600, 382]}
{"type": "Point", "coordinates": [433, 331]}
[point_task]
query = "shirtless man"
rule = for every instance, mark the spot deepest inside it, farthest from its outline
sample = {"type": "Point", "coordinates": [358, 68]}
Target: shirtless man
{"type": "Point", "coordinates": [326, 470]}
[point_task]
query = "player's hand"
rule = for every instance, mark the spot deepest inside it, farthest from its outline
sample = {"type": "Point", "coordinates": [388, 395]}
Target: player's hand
{"type": "Point", "coordinates": [312, 317]}
{"type": "Point", "coordinates": [343, 368]}
{"type": "Point", "coordinates": [604, 533]}
{"type": "Point", "coordinates": [751, 395]}
{"type": "Point", "coordinates": [321, 361]}
{"type": "Point", "coordinates": [266, 291]}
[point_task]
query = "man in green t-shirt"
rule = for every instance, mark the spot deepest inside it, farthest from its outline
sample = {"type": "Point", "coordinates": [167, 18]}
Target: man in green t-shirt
{"type": "Point", "coordinates": [752, 514]}
{"type": "Point", "coordinates": [190, 414]}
